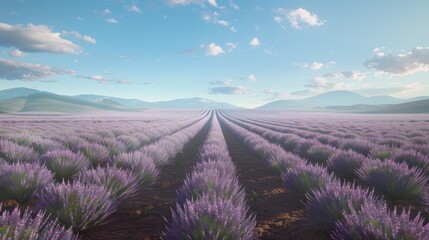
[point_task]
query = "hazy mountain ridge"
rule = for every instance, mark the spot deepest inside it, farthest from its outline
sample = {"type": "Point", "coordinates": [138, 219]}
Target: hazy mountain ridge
{"type": "Point", "coordinates": [338, 98]}
{"type": "Point", "coordinates": [31, 100]}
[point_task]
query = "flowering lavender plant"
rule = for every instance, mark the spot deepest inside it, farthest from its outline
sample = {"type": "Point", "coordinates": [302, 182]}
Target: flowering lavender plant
{"type": "Point", "coordinates": [77, 205]}
{"type": "Point", "coordinates": [95, 153]}
{"type": "Point", "coordinates": [345, 163]}
{"type": "Point", "coordinates": [208, 218]}
{"type": "Point", "coordinates": [20, 181]}
{"type": "Point", "coordinates": [395, 181]}
{"type": "Point", "coordinates": [375, 221]}
{"type": "Point", "coordinates": [25, 226]}
{"type": "Point", "coordinates": [412, 158]}
{"type": "Point", "coordinates": [303, 179]}
{"type": "Point", "coordinates": [327, 205]}
{"type": "Point", "coordinates": [140, 164]}
{"type": "Point", "coordinates": [65, 164]}
{"type": "Point", "coordinates": [12, 152]}
{"type": "Point", "coordinates": [319, 154]}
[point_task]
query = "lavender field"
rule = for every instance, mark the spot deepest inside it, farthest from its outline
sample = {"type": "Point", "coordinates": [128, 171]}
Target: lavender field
{"type": "Point", "coordinates": [214, 174]}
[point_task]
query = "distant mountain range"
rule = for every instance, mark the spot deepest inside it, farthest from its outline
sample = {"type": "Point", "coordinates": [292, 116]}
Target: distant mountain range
{"type": "Point", "coordinates": [31, 100]}
{"type": "Point", "coordinates": [338, 98]}
{"type": "Point", "coordinates": [17, 100]}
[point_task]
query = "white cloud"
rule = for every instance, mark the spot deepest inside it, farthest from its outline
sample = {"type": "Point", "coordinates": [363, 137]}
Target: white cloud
{"type": "Point", "coordinates": [35, 38]}
{"type": "Point", "coordinates": [231, 46]}
{"type": "Point", "coordinates": [213, 50]}
{"type": "Point", "coordinates": [299, 18]}
{"type": "Point", "coordinates": [213, 3]}
{"type": "Point", "coordinates": [251, 78]}
{"type": "Point", "coordinates": [312, 66]}
{"type": "Point", "coordinates": [96, 77]}
{"type": "Point", "coordinates": [134, 9]}
{"type": "Point", "coordinates": [112, 20]}
{"type": "Point", "coordinates": [254, 42]}
{"type": "Point", "coordinates": [417, 60]}
{"type": "Point", "coordinates": [221, 82]}
{"type": "Point", "coordinates": [105, 12]}
{"type": "Point", "coordinates": [230, 90]}
{"type": "Point", "coordinates": [79, 36]}
{"type": "Point", "coordinates": [16, 53]}
{"type": "Point", "coordinates": [234, 5]}
{"type": "Point", "coordinates": [321, 84]}
{"type": "Point", "coordinates": [11, 70]}
{"type": "Point", "coordinates": [350, 75]}
{"type": "Point", "coordinates": [182, 2]}
{"type": "Point", "coordinates": [223, 23]}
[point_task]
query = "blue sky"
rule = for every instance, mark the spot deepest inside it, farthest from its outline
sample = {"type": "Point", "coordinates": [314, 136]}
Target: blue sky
{"type": "Point", "coordinates": [245, 52]}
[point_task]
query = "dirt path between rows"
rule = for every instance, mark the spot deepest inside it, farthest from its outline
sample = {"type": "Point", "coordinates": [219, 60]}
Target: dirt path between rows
{"type": "Point", "coordinates": [143, 218]}
{"type": "Point", "coordinates": [279, 215]}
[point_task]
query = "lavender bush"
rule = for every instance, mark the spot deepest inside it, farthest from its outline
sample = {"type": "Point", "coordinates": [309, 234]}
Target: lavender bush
{"type": "Point", "coordinates": [412, 158]}
{"type": "Point", "coordinates": [375, 221]}
{"type": "Point", "coordinates": [65, 164]}
{"type": "Point", "coordinates": [319, 154]}
{"type": "Point", "coordinates": [207, 218]}
{"type": "Point", "coordinates": [77, 205]}
{"type": "Point", "coordinates": [20, 181]}
{"type": "Point", "coordinates": [303, 179]}
{"type": "Point", "coordinates": [381, 152]}
{"type": "Point", "coordinates": [140, 164]}
{"type": "Point", "coordinates": [344, 164]}
{"type": "Point", "coordinates": [210, 183]}
{"type": "Point", "coordinates": [95, 153]}
{"type": "Point", "coordinates": [12, 152]}
{"type": "Point", "coordinates": [361, 146]}
{"type": "Point", "coordinates": [25, 226]}
{"type": "Point", "coordinates": [326, 206]}
{"type": "Point", "coordinates": [394, 181]}
{"type": "Point", "coordinates": [121, 184]}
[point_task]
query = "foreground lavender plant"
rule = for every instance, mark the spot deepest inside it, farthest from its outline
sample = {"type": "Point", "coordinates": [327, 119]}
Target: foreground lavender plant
{"type": "Point", "coordinates": [20, 181]}
{"type": "Point", "coordinates": [95, 153]}
{"type": "Point", "coordinates": [395, 181]}
{"type": "Point", "coordinates": [121, 184]}
{"type": "Point", "coordinates": [22, 226]}
{"type": "Point", "coordinates": [207, 218]}
{"type": "Point", "coordinates": [12, 152]}
{"type": "Point", "coordinates": [375, 221]}
{"type": "Point", "coordinates": [319, 154]}
{"type": "Point", "coordinates": [140, 164]}
{"type": "Point", "coordinates": [345, 163]}
{"type": "Point", "coordinates": [412, 158]}
{"type": "Point", "coordinates": [77, 205]}
{"type": "Point", "coordinates": [304, 179]}
{"type": "Point", "coordinates": [210, 183]}
{"type": "Point", "coordinates": [327, 205]}
{"type": "Point", "coordinates": [64, 163]}
{"type": "Point", "coordinates": [381, 152]}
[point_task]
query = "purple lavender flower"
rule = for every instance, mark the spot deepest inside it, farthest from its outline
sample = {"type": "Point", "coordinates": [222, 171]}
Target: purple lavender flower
{"type": "Point", "coordinates": [412, 158]}
{"type": "Point", "coordinates": [77, 205]}
{"type": "Point", "coordinates": [344, 164]}
{"type": "Point", "coordinates": [12, 152]}
{"type": "Point", "coordinates": [319, 154]}
{"type": "Point", "coordinates": [25, 226]}
{"type": "Point", "coordinates": [381, 152]}
{"type": "Point", "coordinates": [140, 164]}
{"type": "Point", "coordinates": [121, 184]}
{"type": "Point", "coordinates": [65, 164]}
{"type": "Point", "coordinates": [395, 181]}
{"type": "Point", "coordinates": [304, 178]}
{"type": "Point", "coordinates": [20, 181]}
{"type": "Point", "coordinates": [209, 218]}
{"type": "Point", "coordinates": [327, 205]}
{"type": "Point", "coordinates": [375, 221]}
{"type": "Point", "coordinates": [95, 153]}
{"type": "Point", "coordinates": [279, 159]}
{"type": "Point", "coordinates": [361, 146]}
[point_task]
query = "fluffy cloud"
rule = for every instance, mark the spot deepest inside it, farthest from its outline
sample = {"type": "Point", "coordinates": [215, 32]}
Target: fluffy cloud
{"type": "Point", "coordinates": [79, 36]}
{"type": "Point", "coordinates": [254, 42]}
{"type": "Point", "coordinates": [251, 78]}
{"type": "Point", "coordinates": [112, 20]}
{"type": "Point", "coordinates": [213, 3]}
{"type": "Point", "coordinates": [349, 75]}
{"type": "Point", "coordinates": [187, 2]}
{"type": "Point", "coordinates": [312, 66]}
{"type": "Point", "coordinates": [134, 9]}
{"type": "Point", "coordinates": [35, 38]}
{"type": "Point", "coordinates": [213, 50]}
{"type": "Point", "coordinates": [322, 84]}
{"type": "Point", "coordinates": [298, 18]}
{"type": "Point", "coordinates": [96, 77]}
{"type": "Point", "coordinates": [230, 90]}
{"type": "Point", "coordinates": [105, 12]}
{"type": "Point", "coordinates": [16, 53]}
{"type": "Point", "coordinates": [231, 46]}
{"type": "Point", "coordinates": [11, 70]}
{"type": "Point", "coordinates": [417, 60]}
{"type": "Point", "coordinates": [221, 82]}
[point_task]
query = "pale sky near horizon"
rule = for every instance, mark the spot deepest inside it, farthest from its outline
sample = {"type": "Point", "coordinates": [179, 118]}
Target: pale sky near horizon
{"type": "Point", "coordinates": [245, 52]}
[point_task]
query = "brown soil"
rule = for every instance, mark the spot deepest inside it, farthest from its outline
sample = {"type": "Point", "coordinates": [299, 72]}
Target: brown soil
{"type": "Point", "coordinates": [279, 214]}
{"type": "Point", "coordinates": [143, 218]}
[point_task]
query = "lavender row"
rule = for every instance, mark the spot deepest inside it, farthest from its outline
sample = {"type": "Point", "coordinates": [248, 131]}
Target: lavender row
{"type": "Point", "coordinates": [331, 205]}
{"type": "Point", "coordinates": [84, 197]}
{"type": "Point", "coordinates": [211, 202]}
